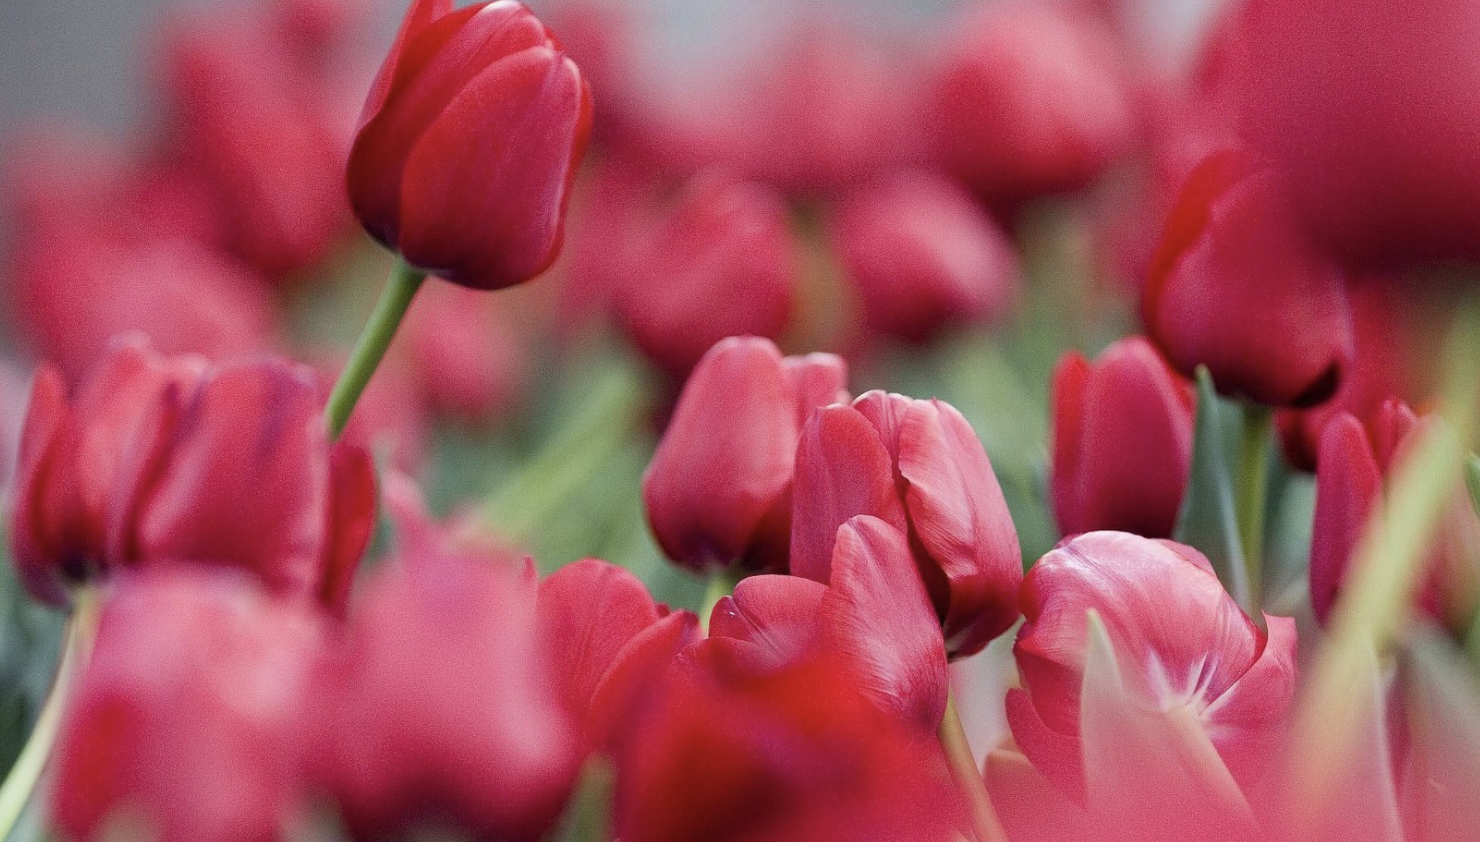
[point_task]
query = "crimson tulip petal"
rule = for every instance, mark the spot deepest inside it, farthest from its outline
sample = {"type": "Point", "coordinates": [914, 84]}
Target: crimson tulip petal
{"type": "Point", "coordinates": [1057, 755]}
{"type": "Point", "coordinates": [34, 541]}
{"type": "Point", "coordinates": [877, 612]}
{"type": "Point", "coordinates": [634, 673]}
{"type": "Point", "coordinates": [587, 611]}
{"type": "Point", "coordinates": [1348, 486]}
{"type": "Point", "coordinates": [351, 521]}
{"type": "Point", "coordinates": [815, 380]}
{"type": "Point", "coordinates": [778, 615]}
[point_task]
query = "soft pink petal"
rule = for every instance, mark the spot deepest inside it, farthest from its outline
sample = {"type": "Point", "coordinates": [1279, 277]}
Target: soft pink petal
{"type": "Point", "coordinates": [587, 611]}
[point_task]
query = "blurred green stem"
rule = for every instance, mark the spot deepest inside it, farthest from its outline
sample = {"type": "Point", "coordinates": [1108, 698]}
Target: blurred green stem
{"type": "Point", "coordinates": [1252, 492]}
{"type": "Point", "coordinates": [370, 348]}
{"type": "Point", "coordinates": [968, 777]}
{"type": "Point", "coordinates": [21, 783]}
{"type": "Point", "coordinates": [722, 581]}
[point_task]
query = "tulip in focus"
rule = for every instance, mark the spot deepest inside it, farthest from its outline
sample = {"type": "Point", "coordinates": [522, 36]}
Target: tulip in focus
{"type": "Point", "coordinates": [922, 257]}
{"type": "Point", "coordinates": [469, 142]}
{"type": "Point", "coordinates": [1234, 286]}
{"type": "Point", "coordinates": [918, 466]}
{"type": "Point", "coordinates": [718, 491]}
{"type": "Point", "coordinates": [1122, 441]}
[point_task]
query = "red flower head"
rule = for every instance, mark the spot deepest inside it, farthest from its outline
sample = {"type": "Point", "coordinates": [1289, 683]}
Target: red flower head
{"type": "Point", "coordinates": [187, 717]}
{"type": "Point", "coordinates": [922, 256]}
{"type": "Point", "coordinates": [718, 491]}
{"type": "Point", "coordinates": [918, 466]}
{"type": "Point", "coordinates": [164, 460]}
{"type": "Point", "coordinates": [1122, 442]}
{"type": "Point", "coordinates": [721, 263]}
{"type": "Point", "coordinates": [1234, 287]}
{"type": "Point", "coordinates": [469, 142]}
{"type": "Point", "coordinates": [1353, 462]}
{"type": "Point", "coordinates": [1183, 648]}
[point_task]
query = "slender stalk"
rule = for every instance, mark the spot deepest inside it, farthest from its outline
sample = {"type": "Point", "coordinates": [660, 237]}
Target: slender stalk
{"type": "Point", "coordinates": [21, 783]}
{"type": "Point", "coordinates": [370, 348]}
{"type": "Point", "coordinates": [1250, 496]}
{"type": "Point", "coordinates": [968, 777]}
{"type": "Point", "coordinates": [721, 583]}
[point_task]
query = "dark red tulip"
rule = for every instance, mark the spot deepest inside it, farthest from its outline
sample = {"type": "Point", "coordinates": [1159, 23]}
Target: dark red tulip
{"type": "Point", "coordinates": [1235, 286]}
{"type": "Point", "coordinates": [718, 491]}
{"type": "Point", "coordinates": [440, 711]}
{"type": "Point", "coordinates": [469, 142]}
{"type": "Point", "coordinates": [1369, 109]}
{"type": "Point", "coordinates": [795, 754]}
{"type": "Point", "coordinates": [1179, 640]}
{"type": "Point", "coordinates": [1031, 98]}
{"type": "Point", "coordinates": [721, 263]}
{"type": "Point", "coordinates": [919, 467]}
{"type": "Point", "coordinates": [1353, 465]}
{"type": "Point", "coordinates": [187, 719]}
{"type": "Point", "coordinates": [922, 256]}
{"type": "Point", "coordinates": [1122, 441]}
{"type": "Point", "coordinates": [875, 618]}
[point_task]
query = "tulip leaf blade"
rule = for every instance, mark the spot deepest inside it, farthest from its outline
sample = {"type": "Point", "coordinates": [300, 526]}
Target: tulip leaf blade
{"type": "Point", "coordinates": [1208, 519]}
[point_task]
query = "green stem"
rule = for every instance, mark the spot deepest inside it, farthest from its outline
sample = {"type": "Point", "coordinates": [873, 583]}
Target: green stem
{"type": "Point", "coordinates": [1250, 497]}
{"type": "Point", "coordinates": [19, 785]}
{"type": "Point", "coordinates": [968, 777]}
{"type": "Point", "coordinates": [721, 582]}
{"type": "Point", "coordinates": [395, 300]}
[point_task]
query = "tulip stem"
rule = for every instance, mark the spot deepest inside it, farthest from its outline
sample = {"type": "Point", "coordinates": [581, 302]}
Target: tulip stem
{"type": "Point", "coordinates": [722, 581]}
{"type": "Point", "coordinates": [1253, 488]}
{"type": "Point", "coordinates": [968, 777]}
{"type": "Point", "coordinates": [19, 785]}
{"type": "Point", "coordinates": [370, 348]}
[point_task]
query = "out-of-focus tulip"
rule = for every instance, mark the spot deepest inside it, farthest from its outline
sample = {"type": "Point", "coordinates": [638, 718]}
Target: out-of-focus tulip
{"type": "Point", "coordinates": [442, 684]}
{"type": "Point", "coordinates": [922, 256]}
{"type": "Point", "coordinates": [1234, 286]}
{"type": "Point", "coordinates": [1353, 462]}
{"type": "Point", "coordinates": [259, 130]}
{"type": "Point", "coordinates": [469, 142]}
{"type": "Point", "coordinates": [797, 754]}
{"type": "Point", "coordinates": [1370, 110]}
{"type": "Point", "coordinates": [1122, 441]}
{"type": "Point", "coordinates": [918, 466]}
{"type": "Point", "coordinates": [471, 362]}
{"type": "Point", "coordinates": [168, 460]}
{"type": "Point", "coordinates": [721, 263]}
{"type": "Point", "coordinates": [1182, 645]}
{"type": "Point", "coordinates": [718, 491]}
{"type": "Point", "coordinates": [1031, 98]}
{"type": "Point", "coordinates": [875, 618]}
{"type": "Point", "coordinates": [187, 717]}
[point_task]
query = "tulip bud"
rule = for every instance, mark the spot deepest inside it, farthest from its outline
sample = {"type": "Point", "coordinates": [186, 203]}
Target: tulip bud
{"type": "Point", "coordinates": [187, 718]}
{"type": "Point", "coordinates": [922, 257]}
{"type": "Point", "coordinates": [1179, 639]}
{"type": "Point", "coordinates": [469, 142]}
{"type": "Point", "coordinates": [917, 466]}
{"type": "Point", "coordinates": [1031, 99]}
{"type": "Point", "coordinates": [1122, 441]}
{"type": "Point", "coordinates": [721, 263]}
{"type": "Point", "coordinates": [718, 491]}
{"type": "Point", "coordinates": [1234, 287]}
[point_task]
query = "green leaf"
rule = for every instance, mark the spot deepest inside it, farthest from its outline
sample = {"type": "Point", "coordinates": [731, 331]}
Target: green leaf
{"type": "Point", "coordinates": [1208, 519]}
{"type": "Point", "coordinates": [1472, 480]}
{"type": "Point", "coordinates": [588, 814]}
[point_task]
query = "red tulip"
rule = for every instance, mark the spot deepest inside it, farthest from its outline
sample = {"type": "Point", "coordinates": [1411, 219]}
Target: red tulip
{"type": "Point", "coordinates": [1352, 466]}
{"type": "Point", "coordinates": [917, 466]}
{"type": "Point", "coordinates": [1122, 441]}
{"type": "Point", "coordinates": [1181, 643]}
{"type": "Point", "coordinates": [721, 263]}
{"type": "Point", "coordinates": [469, 142]}
{"type": "Point", "coordinates": [718, 491]}
{"type": "Point", "coordinates": [922, 257]}
{"type": "Point", "coordinates": [1235, 287]}
{"type": "Point", "coordinates": [1031, 99]}
{"type": "Point", "coordinates": [875, 616]}
{"type": "Point", "coordinates": [187, 718]}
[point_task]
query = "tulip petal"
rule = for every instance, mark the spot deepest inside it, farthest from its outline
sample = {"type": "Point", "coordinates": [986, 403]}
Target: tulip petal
{"type": "Point", "coordinates": [1029, 807]}
{"type": "Point", "coordinates": [419, 16]}
{"type": "Point", "coordinates": [587, 611]}
{"type": "Point", "coordinates": [351, 521]}
{"type": "Point", "coordinates": [815, 380]}
{"type": "Point", "coordinates": [635, 673]}
{"type": "Point", "coordinates": [39, 490]}
{"type": "Point", "coordinates": [1070, 379]}
{"type": "Point", "coordinates": [778, 615]}
{"type": "Point", "coordinates": [1347, 491]}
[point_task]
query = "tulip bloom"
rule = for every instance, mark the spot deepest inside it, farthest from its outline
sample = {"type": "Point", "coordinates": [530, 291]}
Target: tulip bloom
{"type": "Point", "coordinates": [469, 142]}
{"type": "Point", "coordinates": [922, 256]}
{"type": "Point", "coordinates": [918, 466]}
{"type": "Point", "coordinates": [1182, 646]}
{"type": "Point", "coordinates": [720, 263]}
{"type": "Point", "coordinates": [166, 460]}
{"type": "Point", "coordinates": [1234, 287]}
{"type": "Point", "coordinates": [188, 714]}
{"type": "Point", "coordinates": [1122, 441]}
{"type": "Point", "coordinates": [718, 491]}
{"type": "Point", "coordinates": [1349, 483]}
